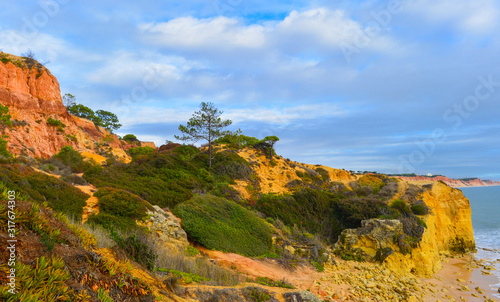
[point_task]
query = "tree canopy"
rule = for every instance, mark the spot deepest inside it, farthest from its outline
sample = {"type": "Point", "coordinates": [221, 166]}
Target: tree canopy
{"type": "Point", "coordinates": [101, 118]}
{"type": "Point", "coordinates": [206, 124]}
{"type": "Point", "coordinates": [107, 120]}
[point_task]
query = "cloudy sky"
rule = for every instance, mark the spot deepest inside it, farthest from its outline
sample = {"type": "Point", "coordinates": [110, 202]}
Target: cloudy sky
{"type": "Point", "coordinates": [396, 86]}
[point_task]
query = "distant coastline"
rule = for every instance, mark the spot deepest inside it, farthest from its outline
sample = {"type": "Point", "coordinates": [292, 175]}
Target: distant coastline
{"type": "Point", "coordinates": [456, 183]}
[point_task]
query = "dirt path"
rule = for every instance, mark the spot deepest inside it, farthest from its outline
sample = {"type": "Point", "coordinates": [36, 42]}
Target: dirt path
{"type": "Point", "coordinates": [92, 206]}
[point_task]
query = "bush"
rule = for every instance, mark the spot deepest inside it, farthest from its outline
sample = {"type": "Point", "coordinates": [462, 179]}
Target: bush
{"type": "Point", "coordinates": [56, 123]}
{"type": "Point", "coordinates": [71, 158]}
{"type": "Point", "coordinates": [119, 209]}
{"type": "Point", "coordinates": [137, 248]}
{"type": "Point", "coordinates": [400, 206]}
{"type": "Point", "coordinates": [3, 149]}
{"type": "Point", "coordinates": [420, 209]}
{"type": "Point", "coordinates": [220, 224]}
{"type": "Point", "coordinates": [141, 151]}
{"type": "Point", "coordinates": [40, 188]}
{"type": "Point", "coordinates": [231, 165]}
{"type": "Point", "coordinates": [130, 138]}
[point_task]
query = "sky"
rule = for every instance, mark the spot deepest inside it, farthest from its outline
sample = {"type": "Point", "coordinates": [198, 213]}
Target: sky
{"type": "Point", "coordinates": [394, 86]}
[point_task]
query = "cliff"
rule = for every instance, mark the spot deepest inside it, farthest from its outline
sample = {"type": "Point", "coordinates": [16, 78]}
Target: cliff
{"type": "Point", "coordinates": [456, 183]}
{"type": "Point", "coordinates": [32, 95]}
{"type": "Point", "coordinates": [448, 233]}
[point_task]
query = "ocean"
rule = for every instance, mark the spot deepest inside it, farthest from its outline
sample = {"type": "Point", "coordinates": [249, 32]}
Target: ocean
{"type": "Point", "coordinates": [485, 205]}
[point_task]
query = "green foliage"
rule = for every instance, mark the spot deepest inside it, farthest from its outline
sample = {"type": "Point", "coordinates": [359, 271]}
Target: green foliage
{"type": "Point", "coordinates": [5, 116]}
{"type": "Point", "coordinates": [320, 267]}
{"type": "Point", "coordinates": [186, 278]}
{"type": "Point", "coordinates": [137, 248]}
{"type": "Point", "coordinates": [107, 120]}
{"type": "Point", "coordinates": [320, 212]}
{"type": "Point", "coordinates": [119, 209]}
{"type": "Point", "coordinates": [103, 296]}
{"type": "Point", "coordinates": [3, 149]}
{"type": "Point", "coordinates": [44, 281]}
{"type": "Point", "coordinates": [40, 188]}
{"type": "Point", "coordinates": [69, 100]}
{"type": "Point", "coordinates": [56, 123]}
{"type": "Point", "coordinates": [83, 112]}
{"type": "Point", "coordinates": [419, 209]}
{"type": "Point", "coordinates": [141, 151]}
{"type": "Point", "coordinates": [220, 224]}
{"type": "Point", "coordinates": [70, 137]}
{"type": "Point", "coordinates": [206, 124]}
{"type": "Point", "coordinates": [191, 251]}
{"type": "Point", "coordinates": [231, 165]}
{"type": "Point", "coordinates": [400, 206]}
{"type": "Point", "coordinates": [168, 178]}
{"type": "Point", "coordinates": [71, 158]}
{"type": "Point", "coordinates": [130, 138]}
{"type": "Point", "coordinates": [273, 283]}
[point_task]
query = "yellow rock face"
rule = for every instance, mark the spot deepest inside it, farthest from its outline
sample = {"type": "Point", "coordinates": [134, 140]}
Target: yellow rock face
{"type": "Point", "coordinates": [449, 233]}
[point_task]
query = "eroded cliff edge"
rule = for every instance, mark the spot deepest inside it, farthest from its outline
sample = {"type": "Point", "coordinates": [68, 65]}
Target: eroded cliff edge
{"type": "Point", "coordinates": [33, 96]}
{"type": "Point", "coordinates": [448, 233]}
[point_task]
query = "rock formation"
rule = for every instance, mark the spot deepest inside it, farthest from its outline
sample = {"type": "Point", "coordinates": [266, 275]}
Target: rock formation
{"type": "Point", "coordinates": [456, 183]}
{"type": "Point", "coordinates": [33, 96]}
{"type": "Point", "coordinates": [448, 233]}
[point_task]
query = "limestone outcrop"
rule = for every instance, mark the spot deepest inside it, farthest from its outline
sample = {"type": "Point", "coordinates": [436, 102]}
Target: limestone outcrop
{"type": "Point", "coordinates": [166, 226]}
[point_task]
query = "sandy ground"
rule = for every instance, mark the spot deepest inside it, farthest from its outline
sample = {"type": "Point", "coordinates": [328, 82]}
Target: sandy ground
{"type": "Point", "coordinates": [457, 281]}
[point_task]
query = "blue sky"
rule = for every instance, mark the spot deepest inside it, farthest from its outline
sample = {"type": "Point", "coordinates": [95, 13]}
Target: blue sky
{"type": "Point", "coordinates": [410, 86]}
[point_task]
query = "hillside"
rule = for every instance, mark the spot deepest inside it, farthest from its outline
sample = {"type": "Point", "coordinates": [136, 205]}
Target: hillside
{"type": "Point", "coordinates": [139, 223]}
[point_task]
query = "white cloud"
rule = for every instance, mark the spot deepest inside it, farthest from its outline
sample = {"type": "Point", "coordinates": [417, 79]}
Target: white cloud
{"type": "Point", "coordinates": [279, 117]}
{"type": "Point", "coordinates": [124, 68]}
{"type": "Point", "coordinates": [220, 32]}
{"type": "Point", "coordinates": [318, 29]}
{"type": "Point", "coordinates": [472, 16]}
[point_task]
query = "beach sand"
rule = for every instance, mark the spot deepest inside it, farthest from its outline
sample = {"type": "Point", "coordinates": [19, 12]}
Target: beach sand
{"type": "Point", "coordinates": [462, 280]}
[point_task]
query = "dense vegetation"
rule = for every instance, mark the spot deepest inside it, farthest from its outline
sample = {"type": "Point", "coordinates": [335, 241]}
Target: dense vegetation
{"type": "Point", "coordinates": [220, 224]}
{"type": "Point", "coordinates": [119, 209]}
{"type": "Point", "coordinates": [328, 212]}
{"type": "Point", "coordinates": [41, 188]}
{"type": "Point", "coordinates": [172, 176]}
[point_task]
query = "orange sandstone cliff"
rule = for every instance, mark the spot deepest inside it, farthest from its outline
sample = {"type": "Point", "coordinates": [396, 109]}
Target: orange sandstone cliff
{"type": "Point", "coordinates": [33, 96]}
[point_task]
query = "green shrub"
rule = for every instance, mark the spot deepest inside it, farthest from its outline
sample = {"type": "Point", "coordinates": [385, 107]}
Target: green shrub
{"type": "Point", "coordinates": [71, 158]}
{"type": "Point", "coordinates": [141, 151]}
{"type": "Point", "coordinates": [186, 278]}
{"type": "Point", "coordinates": [231, 165]}
{"type": "Point", "coordinates": [3, 149]}
{"type": "Point", "coordinates": [273, 283]}
{"type": "Point", "coordinates": [40, 188]}
{"type": "Point", "coordinates": [401, 206]}
{"type": "Point", "coordinates": [130, 138]}
{"type": "Point", "coordinates": [419, 209]}
{"type": "Point", "coordinates": [56, 123]}
{"type": "Point", "coordinates": [44, 281]}
{"type": "Point", "coordinates": [119, 209]}
{"type": "Point", "coordinates": [220, 224]}
{"type": "Point", "coordinates": [137, 248]}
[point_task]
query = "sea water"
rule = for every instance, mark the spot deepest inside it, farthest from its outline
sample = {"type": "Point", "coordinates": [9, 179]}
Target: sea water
{"type": "Point", "coordinates": [485, 205]}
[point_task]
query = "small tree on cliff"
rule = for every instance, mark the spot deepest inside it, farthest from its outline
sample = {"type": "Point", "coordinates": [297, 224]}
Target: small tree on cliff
{"type": "Point", "coordinates": [107, 120]}
{"type": "Point", "coordinates": [270, 140]}
{"type": "Point", "coordinates": [205, 124]}
{"type": "Point", "coordinates": [69, 100]}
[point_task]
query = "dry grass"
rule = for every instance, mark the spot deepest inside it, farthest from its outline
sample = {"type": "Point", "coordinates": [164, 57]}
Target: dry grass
{"type": "Point", "coordinates": [172, 258]}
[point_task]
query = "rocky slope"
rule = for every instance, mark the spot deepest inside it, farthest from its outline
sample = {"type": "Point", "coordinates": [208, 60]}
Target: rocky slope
{"type": "Point", "coordinates": [33, 96]}
{"type": "Point", "coordinates": [456, 183]}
